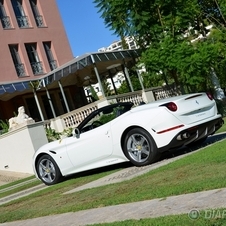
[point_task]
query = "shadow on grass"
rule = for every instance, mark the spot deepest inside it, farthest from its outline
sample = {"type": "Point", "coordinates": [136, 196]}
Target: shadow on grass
{"type": "Point", "coordinates": [167, 155]}
{"type": "Point", "coordinates": [184, 150]}
{"type": "Point", "coordinates": [107, 169]}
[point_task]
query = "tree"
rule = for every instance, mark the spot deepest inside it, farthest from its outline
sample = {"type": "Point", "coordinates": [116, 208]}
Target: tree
{"type": "Point", "coordinates": [213, 11]}
{"type": "Point", "coordinates": [106, 86]}
{"type": "Point", "coordinates": [124, 88]}
{"type": "Point", "coordinates": [166, 30]}
{"type": "Point", "coordinates": [94, 95]}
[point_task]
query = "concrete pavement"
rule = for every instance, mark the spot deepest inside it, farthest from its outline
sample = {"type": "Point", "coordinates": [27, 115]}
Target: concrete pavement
{"type": "Point", "coordinates": [7, 176]}
{"type": "Point", "coordinates": [190, 204]}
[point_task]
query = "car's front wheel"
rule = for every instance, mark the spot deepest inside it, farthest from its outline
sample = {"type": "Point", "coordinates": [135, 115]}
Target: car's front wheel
{"type": "Point", "coordinates": [139, 147]}
{"type": "Point", "coordinates": [48, 171]}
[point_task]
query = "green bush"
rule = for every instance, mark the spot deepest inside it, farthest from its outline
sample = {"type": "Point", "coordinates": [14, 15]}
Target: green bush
{"type": "Point", "coordinates": [53, 135]}
{"type": "Point", "coordinates": [4, 126]}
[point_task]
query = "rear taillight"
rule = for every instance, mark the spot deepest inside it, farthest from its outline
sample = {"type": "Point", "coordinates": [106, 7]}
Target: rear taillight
{"type": "Point", "coordinates": [209, 96]}
{"type": "Point", "coordinates": [171, 106]}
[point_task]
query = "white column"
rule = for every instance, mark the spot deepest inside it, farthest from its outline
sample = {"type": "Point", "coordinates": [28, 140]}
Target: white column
{"type": "Point", "coordinates": [128, 78]}
{"type": "Point", "coordinates": [50, 102]}
{"type": "Point", "coordinates": [38, 105]}
{"type": "Point", "coordinates": [62, 92]}
{"type": "Point", "coordinates": [49, 99]}
{"type": "Point", "coordinates": [98, 77]}
{"type": "Point", "coordinates": [140, 79]}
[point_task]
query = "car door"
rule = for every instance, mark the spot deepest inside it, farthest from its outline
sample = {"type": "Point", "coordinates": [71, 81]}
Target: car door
{"type": "Point", "coordinates": [91, 146]}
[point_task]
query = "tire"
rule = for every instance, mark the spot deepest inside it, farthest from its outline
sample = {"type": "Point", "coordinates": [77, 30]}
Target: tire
{"type": "Point", "coordinates": [48, 171]}
{"type": "Point", "coordinates": [139, 147]}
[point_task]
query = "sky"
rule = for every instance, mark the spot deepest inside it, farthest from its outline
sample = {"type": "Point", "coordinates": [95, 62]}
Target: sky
{"type": "Point", "coordinates": [85, 29]}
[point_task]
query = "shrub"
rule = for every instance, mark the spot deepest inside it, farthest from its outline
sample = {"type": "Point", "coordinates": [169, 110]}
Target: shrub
{"type": "Point", "coordinates": [4, 126]}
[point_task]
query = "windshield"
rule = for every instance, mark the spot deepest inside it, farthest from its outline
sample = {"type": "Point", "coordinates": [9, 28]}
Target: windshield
{"type": "Point", "coordinates": [104, 115]}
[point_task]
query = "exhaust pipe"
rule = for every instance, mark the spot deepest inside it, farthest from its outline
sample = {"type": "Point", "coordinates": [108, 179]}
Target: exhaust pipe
{"type": "Point", "coordinates": [186, 135]}
{"type": "Point", "coordinates": [183, 136]}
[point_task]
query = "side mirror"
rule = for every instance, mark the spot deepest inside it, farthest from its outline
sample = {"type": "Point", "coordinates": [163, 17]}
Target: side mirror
{"type": "Point", "coordinates": [76, 132]}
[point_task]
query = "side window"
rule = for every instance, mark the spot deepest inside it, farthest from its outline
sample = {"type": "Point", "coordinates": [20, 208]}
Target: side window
{"type": "Point", "coordinates": [19, 66]}
{"type": "Point", "coordinates": [22, 19]}
{"type": "Point", "coordinates": [38, 17]}
{"type": "Point", "coordinates": [32, 53]}
{"type": "Point", "coordinates": [5, 20]}
{"type": "Point", "coordinates": [49, 55]}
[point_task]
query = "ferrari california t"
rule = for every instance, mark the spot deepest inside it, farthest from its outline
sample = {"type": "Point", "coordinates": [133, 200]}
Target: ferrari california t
{"type": "Point", "coordinates": [120, 132]}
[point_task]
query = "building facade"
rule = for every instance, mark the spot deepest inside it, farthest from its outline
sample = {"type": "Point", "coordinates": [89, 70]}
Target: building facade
{"type": "Point", "coordinates": [117, 45]}
{"type": "Point", "coordinates": [33, 43]}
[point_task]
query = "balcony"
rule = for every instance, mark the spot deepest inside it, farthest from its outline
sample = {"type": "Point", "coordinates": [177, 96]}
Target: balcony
{"type": "Point", "coordinates": [23, 21]}
{"type": "Point", "coordinates": [20, 70]}
{"type": "Point", "coordinates": [53, 64]}
{"type": "Point", "coordinates": [37, 68]}
{"type": "Point", "coordinates": [39, 21]}
{"type": "Point", "coordinates": [6, 22]}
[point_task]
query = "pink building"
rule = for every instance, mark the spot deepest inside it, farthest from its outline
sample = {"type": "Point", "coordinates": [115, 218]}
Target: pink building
{"type": "Point", "coordinates": [37, 68]}
{"type": "Point", "coordinates": [33, 43]}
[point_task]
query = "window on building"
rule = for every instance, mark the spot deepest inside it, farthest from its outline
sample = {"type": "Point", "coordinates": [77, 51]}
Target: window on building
{"type": "Point", "coordinates": [49, 54]}
{"type": "Point", "coordinates": [5, 20]}
{"type": "Point", "coordinates": [22, 19]}
{"type": "Point", "coordinates": [132, 45]}
{"type": "Point", "coordinates": [16, 60]}
{"type": "Point", "coordinates": [38, 17]}
{"type": "Point", "coordinates": [32, 53]}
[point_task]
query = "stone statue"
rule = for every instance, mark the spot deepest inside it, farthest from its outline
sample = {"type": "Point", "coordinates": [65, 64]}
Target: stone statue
{"type": "Point", "coordinates": [21, 119]}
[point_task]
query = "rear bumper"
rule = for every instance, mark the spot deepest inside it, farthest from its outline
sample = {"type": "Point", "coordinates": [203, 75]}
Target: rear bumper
{"type": "Point", "coordinates": [193, 134]}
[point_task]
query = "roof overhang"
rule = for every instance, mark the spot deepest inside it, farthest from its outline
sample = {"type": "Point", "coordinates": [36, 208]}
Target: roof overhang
{"type": "Point", "coordinates": [74, 72]}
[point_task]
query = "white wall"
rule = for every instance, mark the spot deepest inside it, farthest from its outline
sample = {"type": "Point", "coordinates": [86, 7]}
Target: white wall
{"type": "Point", "coordinates": [18, 146]}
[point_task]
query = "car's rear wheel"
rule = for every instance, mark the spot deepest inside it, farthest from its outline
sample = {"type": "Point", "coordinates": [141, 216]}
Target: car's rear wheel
{"type": "Point", "coordinates": [48, 171]}
{"type": "Point", "coordinates": [139, 147]}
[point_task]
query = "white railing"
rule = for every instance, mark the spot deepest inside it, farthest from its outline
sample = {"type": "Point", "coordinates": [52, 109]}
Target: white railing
{"type": "Point", "coordinates": [71, 119]}
{"type": "Point", "coordinates": [75, 117]}
{"type": "Point", "coordinates": [165, 92]}
{"type": "Point", "coordinates": [134, 97]}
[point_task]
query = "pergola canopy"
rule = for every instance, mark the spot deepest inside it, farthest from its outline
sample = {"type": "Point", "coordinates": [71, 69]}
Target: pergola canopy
{"type": "Point", "coordinates": [75, 72]}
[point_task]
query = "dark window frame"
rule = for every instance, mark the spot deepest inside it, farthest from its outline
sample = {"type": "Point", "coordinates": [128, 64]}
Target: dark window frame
{"type": "Point", "coordinates": [5, 20]}
{"type": "Point", "coordinates": [19, 66]}
{"type": "Point", "coordinates": [34, 59]}
{"type": "Point", "coordinates": [38, 17]}
{"type": "Point", "coordinates": [49, 55]}
{"type": "Point", "coordinates": [19, 12]}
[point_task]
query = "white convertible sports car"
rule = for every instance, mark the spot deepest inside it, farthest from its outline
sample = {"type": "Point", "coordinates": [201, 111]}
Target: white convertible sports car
{"type": "Point", "coordinates": [121, 132]}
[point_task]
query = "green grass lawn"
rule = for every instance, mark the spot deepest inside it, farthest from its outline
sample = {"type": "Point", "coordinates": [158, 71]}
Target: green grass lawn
{"type": "Point", "coordinates": [203, 170]}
